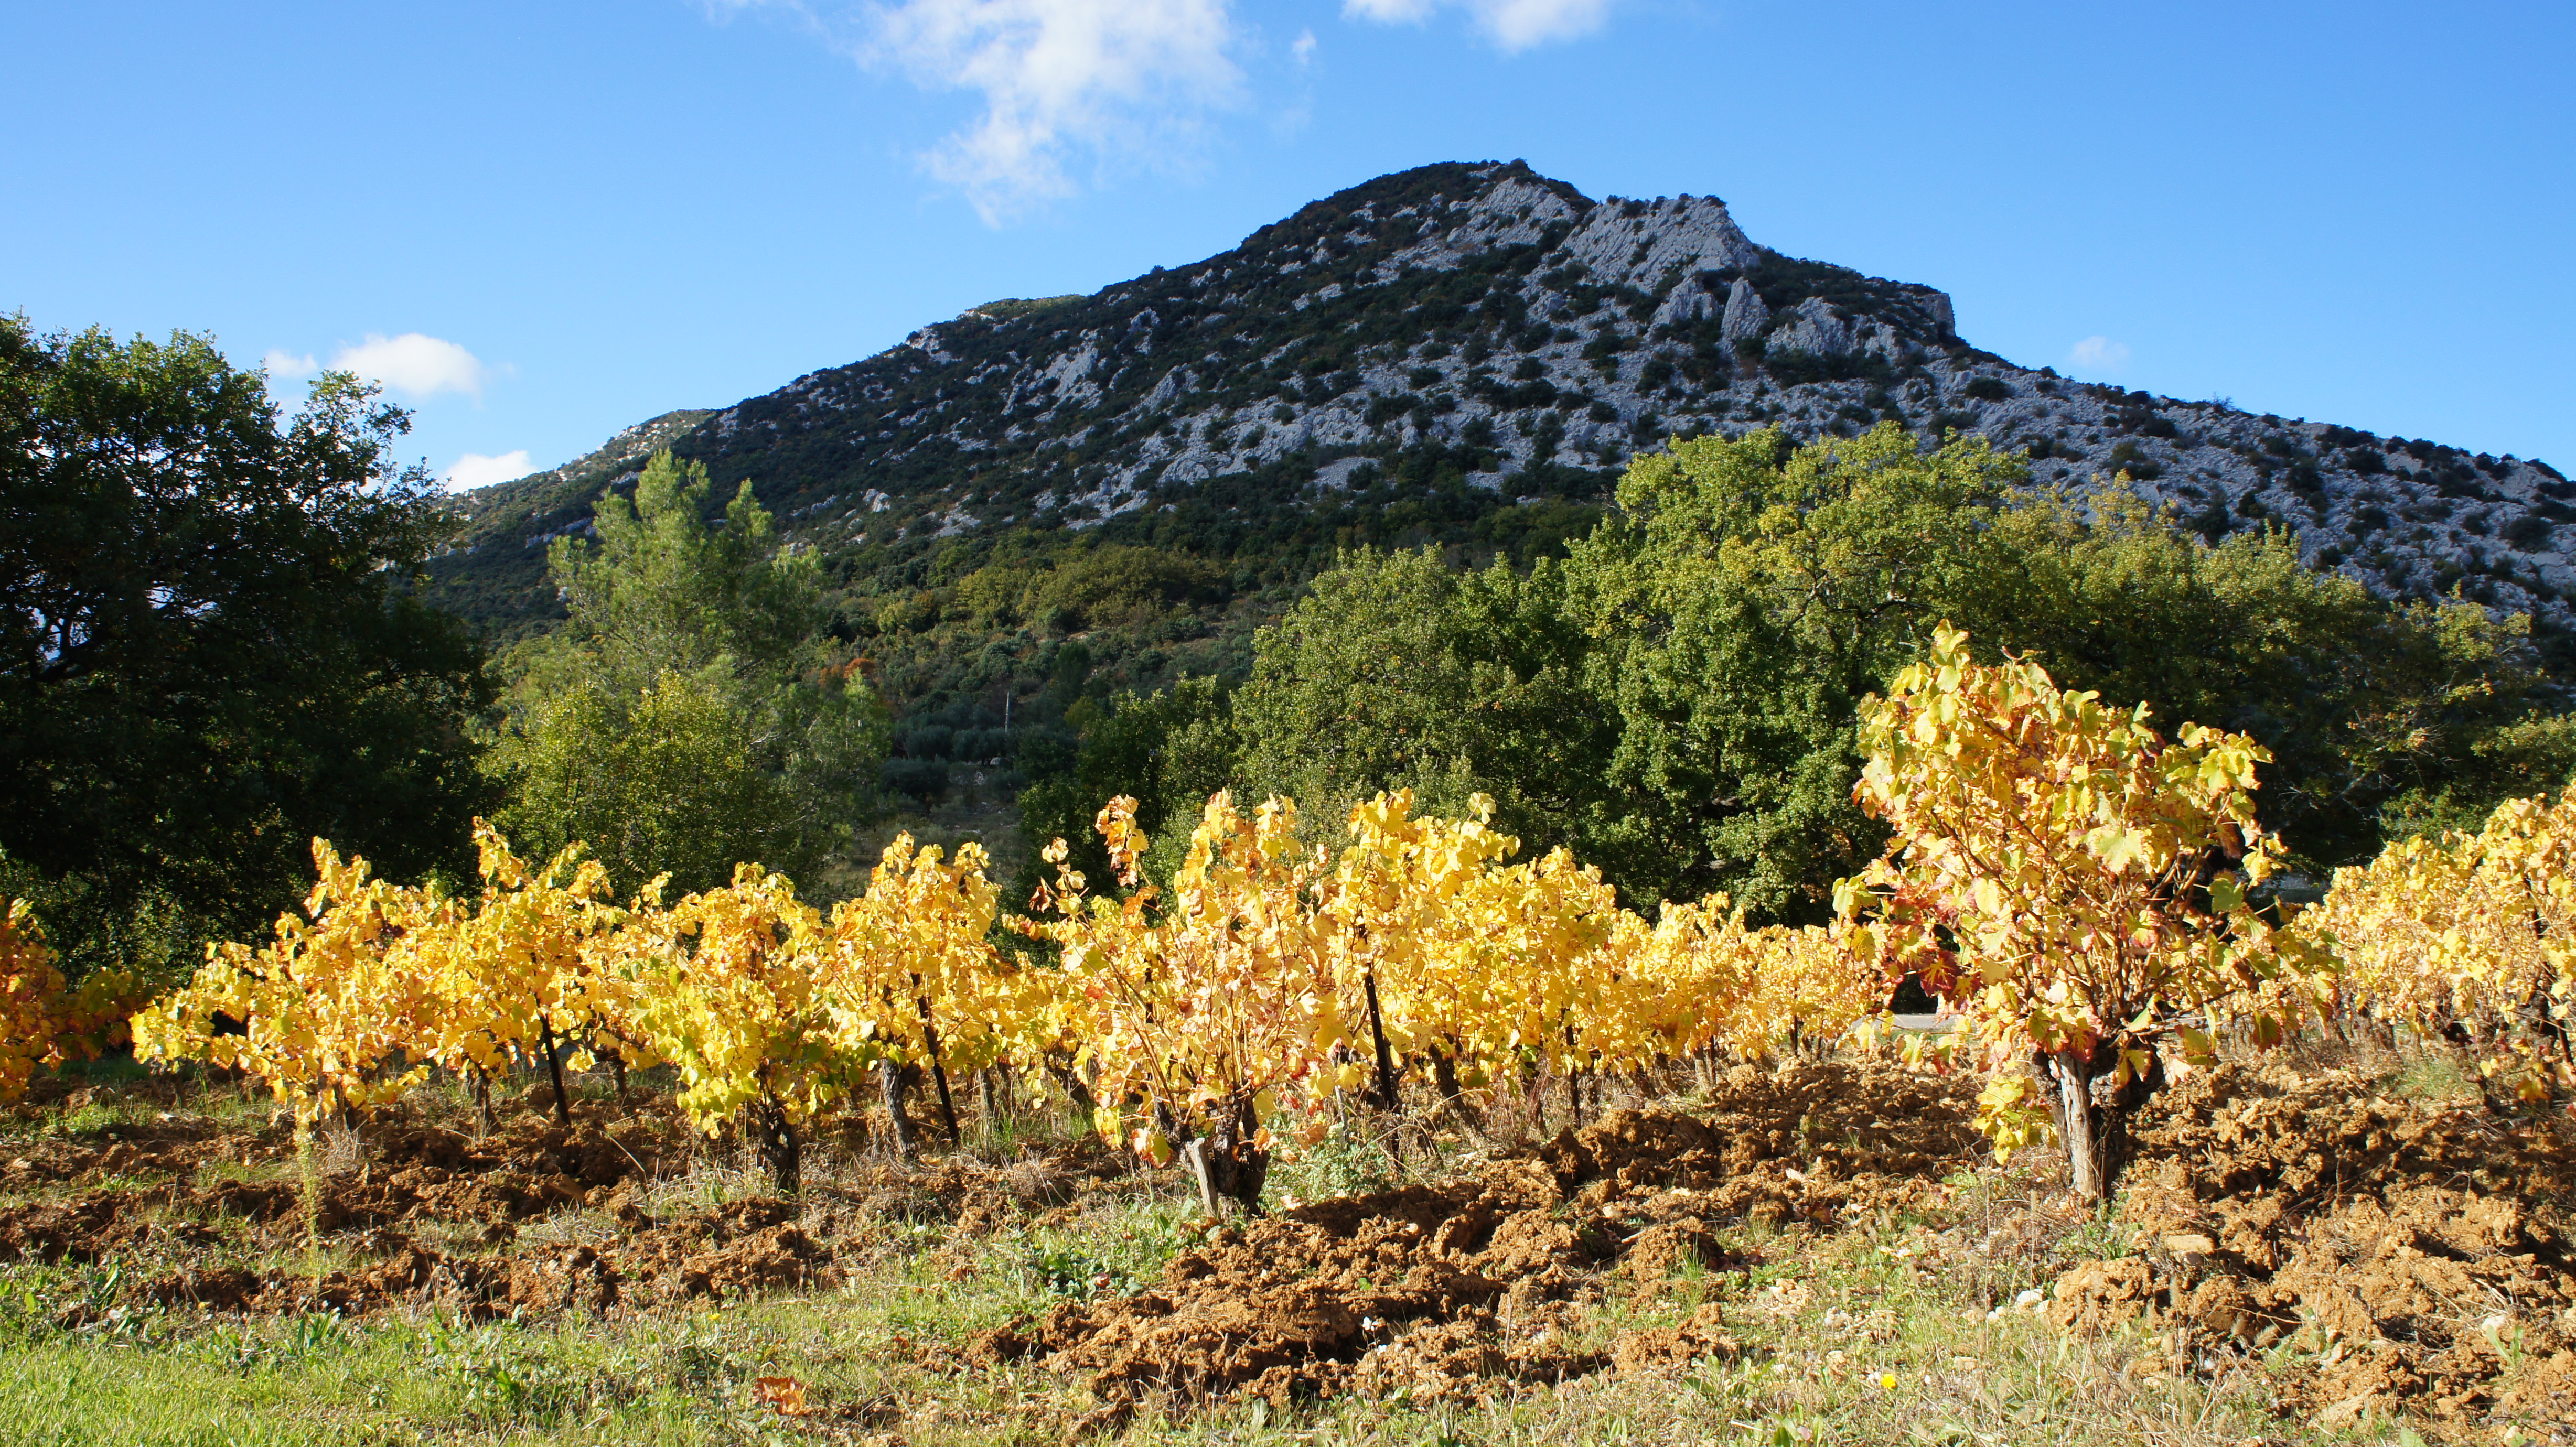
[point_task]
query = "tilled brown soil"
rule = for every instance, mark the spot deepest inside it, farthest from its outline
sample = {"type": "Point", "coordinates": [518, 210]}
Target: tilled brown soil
{"type": "Point", "coordinates": [2423, 1252]}
{"type": "Point", "coordinates": [417, 1175]}
{"type": "Point", "coordinates": [417, 1172]}
{"type": "Point", "coordinates": [1453, 1288]}
{"type": "Point", "coordinates": [745, 1246]}
{"type": "Point", "coordinates": [2417, 1257]}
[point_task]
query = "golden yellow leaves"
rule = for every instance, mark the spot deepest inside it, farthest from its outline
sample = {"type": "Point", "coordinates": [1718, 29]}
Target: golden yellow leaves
{"type": "Point", "coordinates": [42, 1021]}
{"type": "Point", "coordinates": [2062, 872]}
{"type": "Point", "coordinates": [324, 1006]}
{"type": "Point", "coordinates": [2471, 930]}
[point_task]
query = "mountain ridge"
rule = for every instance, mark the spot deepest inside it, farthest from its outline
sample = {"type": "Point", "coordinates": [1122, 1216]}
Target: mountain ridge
{"type": "Point", "coordinates": [1467, 353]}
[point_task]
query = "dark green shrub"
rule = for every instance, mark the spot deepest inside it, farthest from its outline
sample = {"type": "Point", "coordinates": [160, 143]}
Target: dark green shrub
{"type": "Point", "coordinates": [2529, 532]}
{"type": "Point", "coordinates": [1387, 406]}
{"type": "Point", "coordinates": [1796, 368]}
{"type": "Point", "coordinates": [1549, 436]}
{"type": "Point", "coordinates": [923, 779]}
{"type": "Point", "coordinates": [1987, 389]}
{"type": "Point", "coordinates": [2132, 459]}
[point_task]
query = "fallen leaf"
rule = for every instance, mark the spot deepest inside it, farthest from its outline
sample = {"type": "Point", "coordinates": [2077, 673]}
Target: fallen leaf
{"type": "Point", "coordinates": [784, 1393]}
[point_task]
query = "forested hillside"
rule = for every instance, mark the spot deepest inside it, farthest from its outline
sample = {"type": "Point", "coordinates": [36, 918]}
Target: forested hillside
{"type": "Point", "coordinates": [1030, 508]}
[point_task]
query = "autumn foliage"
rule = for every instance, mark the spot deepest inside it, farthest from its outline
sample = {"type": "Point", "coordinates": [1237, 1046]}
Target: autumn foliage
{"type": "Point", "coordinates": [43, 1021]}
{"type": "Point", "coordinates": [2074, 885]}
{"type": "Point", "coordinates": [2469, 935]}
{"type": "Point", "coordinates": [2085, 893]}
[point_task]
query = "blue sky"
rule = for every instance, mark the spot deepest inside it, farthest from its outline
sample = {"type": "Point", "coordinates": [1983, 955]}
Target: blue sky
{"type": "Point", "coordinates": [541, 222]}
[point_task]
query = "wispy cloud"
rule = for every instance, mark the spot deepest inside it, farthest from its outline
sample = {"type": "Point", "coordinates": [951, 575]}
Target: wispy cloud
{"type": "Point", "coordinates": [1063, 82]}
{"type": "Point", "coordinates": [414, 364]}
{"type": "Point", "coordinates": [1513, 25]}
{"type": "Point", "coordinates": [475, 470]}
{"type": "Point", "coordinates": [285, 364]}
{"type": "Point", "coordinates": [2099, 355]}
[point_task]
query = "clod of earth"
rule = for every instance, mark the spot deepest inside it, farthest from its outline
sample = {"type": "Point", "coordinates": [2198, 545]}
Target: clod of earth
{"type": "Point", "coordinates": [1451, 1289]}
{"type": "Point", "coordinates": [2413, 1251]}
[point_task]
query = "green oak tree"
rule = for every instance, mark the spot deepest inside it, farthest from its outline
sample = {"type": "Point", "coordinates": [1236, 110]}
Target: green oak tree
{"type": "Point", "coordinates": [207, 654]}
{"type": "Point", "coordinates": [1677, 700]}
{"type": "Point", "coordinates": [1397, 670]}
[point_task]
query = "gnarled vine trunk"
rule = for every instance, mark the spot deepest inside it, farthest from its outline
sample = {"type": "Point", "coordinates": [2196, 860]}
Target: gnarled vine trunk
{"type": "Point", "coordinates": [2093, 1115]}
{"type": "Point", "coordinates": [1228, 1162]}
{"type": "Point", "coordinates": [890, 1086]}
{"type": "Point", "coordinates": [554, 1068]}
{"type": "Point", "coordinates": [774, 1135]}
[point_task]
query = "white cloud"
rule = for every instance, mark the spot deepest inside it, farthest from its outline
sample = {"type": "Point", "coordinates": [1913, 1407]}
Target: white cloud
{"type": "Point", "coordinates": [2098, 354]}
{"type": "Point", "coordinates": [1061, 81]}
{"type": "Point", "coordinates": [418, 365]}
{"type": "Point", "coordinates": [422, 366]}
{"type": "Point", "coordinates": [475, 470]}
{"type": "Point", "coordinates": [1304, 48]}
{"type": "Point", "coordinates": [1514, 25]}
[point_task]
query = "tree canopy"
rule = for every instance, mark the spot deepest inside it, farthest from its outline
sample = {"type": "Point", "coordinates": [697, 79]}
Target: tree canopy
{"type": "Point", "coordinates": [207, 656]}
{"type": "Point", "coordinates": [690, 714]}
{"type": "Point", "coordinates": [1676, 701]}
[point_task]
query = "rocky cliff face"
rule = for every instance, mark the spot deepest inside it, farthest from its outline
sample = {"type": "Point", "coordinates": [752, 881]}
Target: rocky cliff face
{"type": "Point", "coordinates": [1480, 327]}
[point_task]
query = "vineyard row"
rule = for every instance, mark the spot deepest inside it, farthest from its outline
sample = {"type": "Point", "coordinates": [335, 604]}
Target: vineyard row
{"type": "Point", "coordinates": [2083, 892]}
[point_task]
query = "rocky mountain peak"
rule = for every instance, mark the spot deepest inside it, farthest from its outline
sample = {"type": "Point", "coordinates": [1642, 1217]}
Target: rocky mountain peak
{"type": "Point", "coordinates": [1476, 339]}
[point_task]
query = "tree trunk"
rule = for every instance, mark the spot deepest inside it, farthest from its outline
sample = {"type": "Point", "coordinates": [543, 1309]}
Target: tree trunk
{"type": "Point", "coordinates": [1444, 1078]}
{"type": "Point", "coordinates": [554, 1067]}
{"type": "Point", "coordinates": [775, 1136]}
{"type": "Point", "coordinates": [938, 1072]}
{"type": "Point", "coordinates": [1386, 1096]}
{"type": "Point", "coordinates": [483, 1097]}
{"type": "Point", "coordinates": [1573, 1081]}
{"type": "Point", "coordinates": [907, 1140]}
{"type": "Point", "coordinates": [617, 1071]}
{"type": "Point", "coordinates": [2079, 1125]}
{"type": "Point", "coordinates": [985, 1103]}
{"type": "Point", "coordinates": [947, 1106]}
